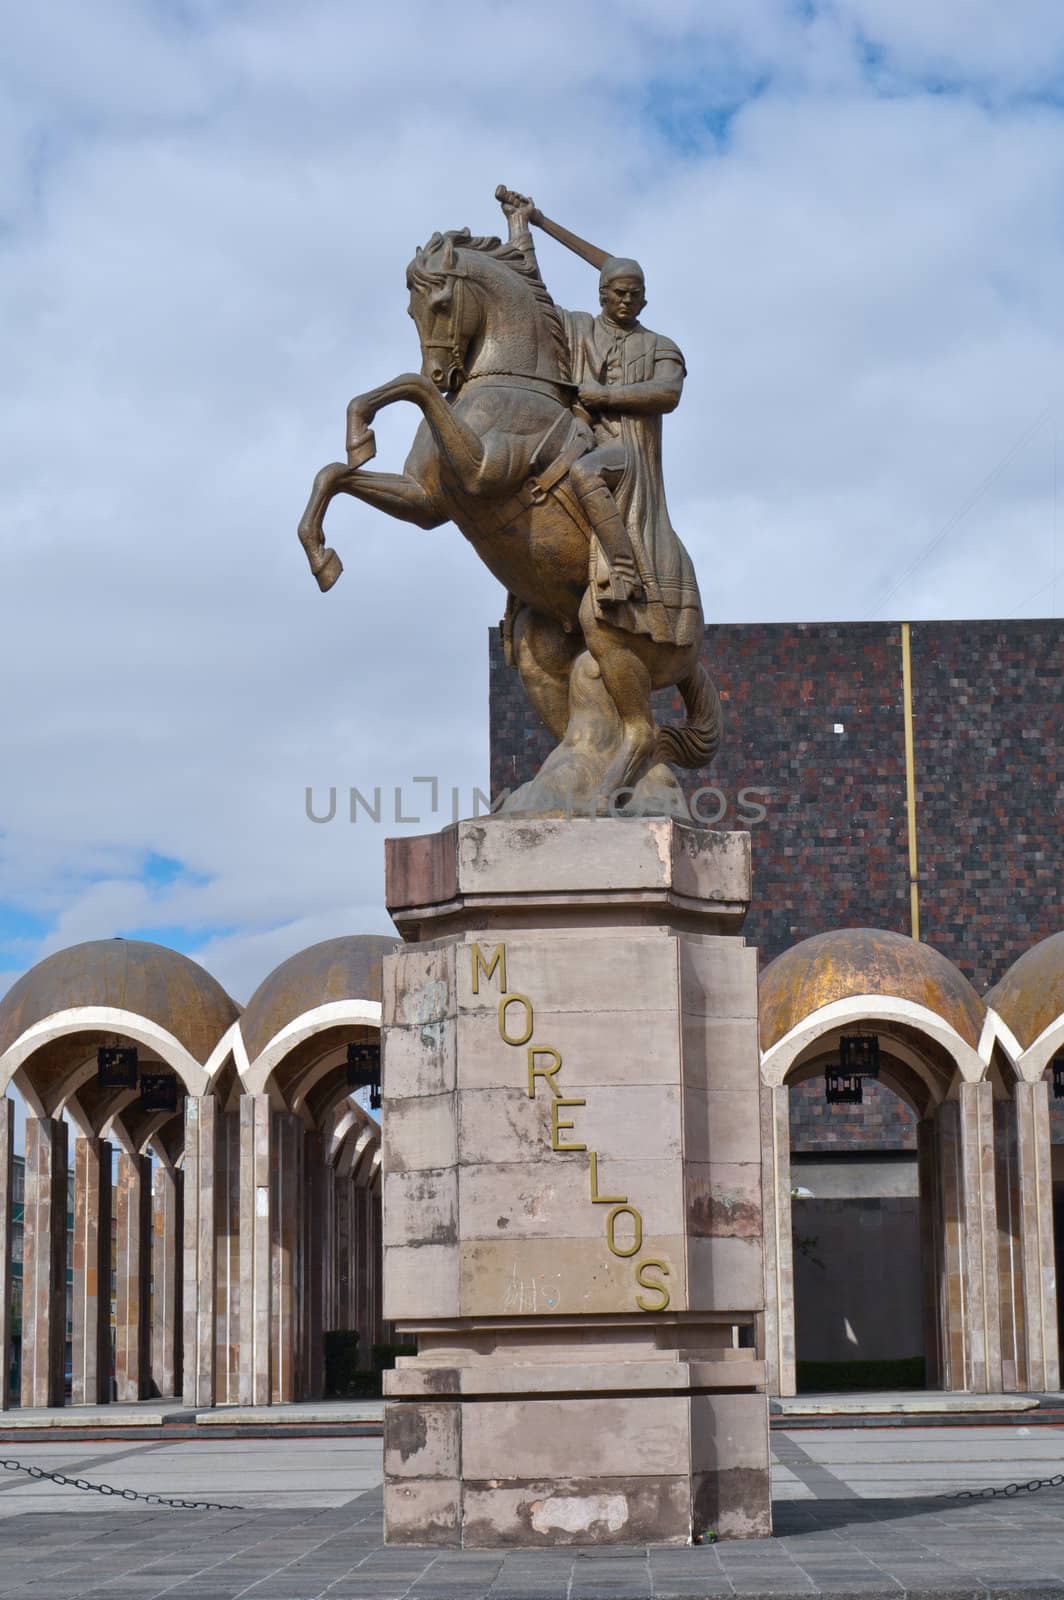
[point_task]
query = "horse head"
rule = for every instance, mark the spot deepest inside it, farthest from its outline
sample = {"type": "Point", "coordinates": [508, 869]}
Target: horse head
{"type": "Point", "coordinates": [479, 303]}
{"type": "Point", "coordinates": [445, 312]}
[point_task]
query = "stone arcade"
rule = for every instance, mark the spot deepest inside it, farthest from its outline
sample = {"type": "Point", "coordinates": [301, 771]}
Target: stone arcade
{"type": "Point", "coordinates": [246, 1220]}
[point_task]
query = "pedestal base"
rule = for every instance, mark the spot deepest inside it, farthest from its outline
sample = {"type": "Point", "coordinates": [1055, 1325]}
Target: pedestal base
{"type": "Point", "coordinates": [612, 1453]}
{"type": "Point", "coordinates": [572, 1187]}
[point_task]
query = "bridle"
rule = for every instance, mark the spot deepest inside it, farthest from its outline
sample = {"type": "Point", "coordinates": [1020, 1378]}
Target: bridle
{"type": "Point", "coordinates": [456, 373]}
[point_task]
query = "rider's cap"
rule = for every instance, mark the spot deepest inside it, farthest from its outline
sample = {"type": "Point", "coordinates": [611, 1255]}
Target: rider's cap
{"type": "Point", "coordinates": [620, 267]}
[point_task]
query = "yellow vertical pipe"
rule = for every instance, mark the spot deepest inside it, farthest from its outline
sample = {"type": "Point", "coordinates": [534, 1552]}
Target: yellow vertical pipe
{"type": "Point", "coordinates": [910, 778]}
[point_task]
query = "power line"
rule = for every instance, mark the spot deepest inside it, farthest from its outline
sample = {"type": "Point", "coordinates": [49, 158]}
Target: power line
{"type": "Point", "coordinates": [959, 515]}
{"type": "Point", "coordinates": [1052, 584]}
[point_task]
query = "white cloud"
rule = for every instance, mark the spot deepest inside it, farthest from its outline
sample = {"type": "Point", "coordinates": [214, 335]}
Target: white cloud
{"type": "Point", "coordinates": [209, 211]}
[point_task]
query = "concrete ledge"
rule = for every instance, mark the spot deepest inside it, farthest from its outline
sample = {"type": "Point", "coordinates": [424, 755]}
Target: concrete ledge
{"type": "Point", "coordinates": [922, 1402]}
{"type": "Point", "coordinates": [430, 1381]}
{"type": "Point", "coordinates": [302, 1414]}
{"type": "Point", "coordinates": [134, 1416]}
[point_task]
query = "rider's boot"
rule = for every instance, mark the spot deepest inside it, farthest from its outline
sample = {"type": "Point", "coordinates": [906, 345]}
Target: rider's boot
{"type": "Point", "coordinates": [621, 581]}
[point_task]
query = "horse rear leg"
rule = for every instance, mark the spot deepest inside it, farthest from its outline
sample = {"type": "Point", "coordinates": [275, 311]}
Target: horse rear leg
{"type": "Point", "coordinates": [544, 654]}
{"type": "Point", "coordinates": [627, 680]}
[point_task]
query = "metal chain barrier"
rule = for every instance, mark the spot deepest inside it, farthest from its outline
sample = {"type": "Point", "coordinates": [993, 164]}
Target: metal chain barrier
{"type": "Point", "coordinates": [107, 1489]}
{"type": "Point", "coordinates": [1008, 1491]}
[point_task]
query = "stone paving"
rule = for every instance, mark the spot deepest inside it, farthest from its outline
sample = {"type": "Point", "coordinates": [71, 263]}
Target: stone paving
{"type": "Point", "coordinates": [310, 1528]}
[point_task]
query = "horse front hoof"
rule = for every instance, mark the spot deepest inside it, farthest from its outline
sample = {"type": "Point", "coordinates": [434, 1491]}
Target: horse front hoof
{"type": "Point", "coordinates": [329, 570]}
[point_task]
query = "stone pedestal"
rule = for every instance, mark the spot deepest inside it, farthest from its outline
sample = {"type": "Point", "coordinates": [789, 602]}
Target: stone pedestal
{"type": "Point", "coordinates": [572, 1186]}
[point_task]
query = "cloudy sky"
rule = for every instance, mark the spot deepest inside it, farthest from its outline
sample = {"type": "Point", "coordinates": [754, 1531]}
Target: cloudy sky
{"type": "Point", "coordinates": [851, 215]}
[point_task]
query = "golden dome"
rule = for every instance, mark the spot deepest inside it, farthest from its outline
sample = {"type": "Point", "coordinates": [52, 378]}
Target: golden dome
{"type": "Point", "coordinates": [853, 961]}
{"type": "Point", "coordinates": [128, 975]}
{"type": "Point", "coordinates": [1031, 994]}
{"type": "Point", "coordinates": [337, 969]}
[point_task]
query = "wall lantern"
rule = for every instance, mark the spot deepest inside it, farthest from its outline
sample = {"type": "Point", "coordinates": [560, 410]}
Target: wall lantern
{"type": "Point", "coordinates": [364, 1070]}
{"type": "Point", "coordinates": [843, 1088]}
{"type": "Point", "coordinates": [116, 1067]}
{"type": "Point", "coordinates": [158, 1091]}
{"type": "Point", "coordinates": [1058, 1077]}
{"type": "Point", "coordinates": [859, 1052]}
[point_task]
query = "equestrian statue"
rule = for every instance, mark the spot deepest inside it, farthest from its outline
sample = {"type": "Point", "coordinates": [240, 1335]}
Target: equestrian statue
{"type": "Point", "coordinates": [541, 440]}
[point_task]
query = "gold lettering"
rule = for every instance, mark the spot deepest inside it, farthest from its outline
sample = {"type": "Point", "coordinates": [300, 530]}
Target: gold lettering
{"type": "Point", "coordinates": [549, 1073]}
{"type": "Point", "coordinates": [557, 1125]}
{"type": "Point", "coordinates": [648, 1283]}
{"type": "Point", "coordinates": [603, 1199]}
{"type": "Point", "coordinates": [488, 967]}
{"type": "Point", "coordinates": [518, 1000]}
{"type": "Point", "coordinates": [611, 1231]}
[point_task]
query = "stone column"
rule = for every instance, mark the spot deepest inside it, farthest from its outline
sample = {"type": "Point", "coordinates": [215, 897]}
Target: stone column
{"type": "Point", "coordinates": [313, 1367]}
{"type": "Point", "coordinates": [200, 1251]}
{"type": "Point", "coordinates": [380, 1331]}
{"type": "Point", "coordinates": [166, 1275]}
{"type": "Point", "coordinates": [328, 1265]}
{"type": "Point", "coordinates": [572, 1186]}
{"type": "Point", "coordinates": [953, 1318]}
{"type": "Point", "coordinates": [255, 1247]}
{"type": "Point", "coordinates": [133, 1252]}
{"type": "Point", "coordinates": [91, 1357]}
{"type": "Point", "coordinates": [1040, 1288]}
{"type": "Point", "coordinates": [1008, 1284]}
{"type": "Point", "coordinates": [343, 1193]}
{"type": "Point", "coordinates": [361, 1274]}
{"type": "Point", "coordinates": [286, 1287]}
{"type": "Point", "coordinates": [980, 1226]}
{"type": "Point", "coordinates": [7, 1166]}
{"type": "Point", "coordinates": [931, 1265]}
{"type": "Point", "coordinates": [44, 1262]}
{"type": "Point", "coordinates": [780, 1367]}
{"type": "Point", "coordinates": [227, 1260]}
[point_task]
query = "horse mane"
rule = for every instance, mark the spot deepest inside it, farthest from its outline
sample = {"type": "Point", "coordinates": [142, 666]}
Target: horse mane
{"type": "Point", "coordinates": [421, 275]}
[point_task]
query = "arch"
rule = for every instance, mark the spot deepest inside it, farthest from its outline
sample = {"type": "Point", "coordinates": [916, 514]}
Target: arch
{"type": "Point", "coordinates": [345, 1119]}
{"type": "Point", "coordinates": [108, 1020]}
{"type": "Point", "coordinates": [333, 1014]}
{"type": "Point", "coordinates": [1035, 1060]}
{"type": "Point", "coordinates": [863, 1009]}
{"type": "Point", "coordinates": [351, 1152]}
{"type": "Point", "coordinates": [933, 1040]}
{"type": "Point", "coordinates": [903, 1068]}
{"type": "Point", "coordinates": [345, 969]}
{"type": "Point", "coordinates": [1029, 998]}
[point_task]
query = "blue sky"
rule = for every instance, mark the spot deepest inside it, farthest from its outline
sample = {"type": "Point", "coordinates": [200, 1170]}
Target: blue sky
{"type": "Point", "coordinates": [852, 220]}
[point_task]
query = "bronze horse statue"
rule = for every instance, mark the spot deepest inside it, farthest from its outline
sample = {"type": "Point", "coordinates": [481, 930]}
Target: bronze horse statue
{"type": "Point", "coordinates": [501, 430]}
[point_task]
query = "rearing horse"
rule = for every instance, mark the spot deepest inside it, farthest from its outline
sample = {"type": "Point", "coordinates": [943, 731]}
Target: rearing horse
{"type": "Point", "coordinates": [492, 454]}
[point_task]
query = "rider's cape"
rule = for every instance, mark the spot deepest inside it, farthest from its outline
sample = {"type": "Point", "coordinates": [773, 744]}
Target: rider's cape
{"type": "Point", "coordinates": [672, 611]}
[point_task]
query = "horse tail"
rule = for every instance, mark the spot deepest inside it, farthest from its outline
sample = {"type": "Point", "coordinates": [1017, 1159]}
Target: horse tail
{"type": "Point", "coordinates": [697, 741]}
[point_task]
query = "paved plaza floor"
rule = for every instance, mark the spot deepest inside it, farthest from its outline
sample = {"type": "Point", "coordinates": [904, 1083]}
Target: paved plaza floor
{"type": "Point", "coordinates": [854, 1507]}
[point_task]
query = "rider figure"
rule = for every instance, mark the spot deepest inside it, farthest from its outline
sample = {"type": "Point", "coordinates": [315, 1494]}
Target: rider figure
{"type": "Point", "coordinates": [627, 378]}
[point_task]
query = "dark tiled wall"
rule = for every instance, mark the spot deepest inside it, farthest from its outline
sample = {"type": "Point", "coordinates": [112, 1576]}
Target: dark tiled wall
{"type": "Point", "coordinates": [832, 849]}
{"type": "Point", "coordinates": [988, 702]}
{"type": "Point", "coordinates": [882, 1122]}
